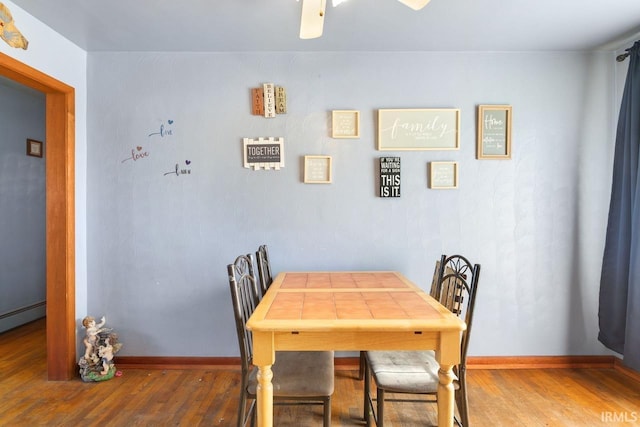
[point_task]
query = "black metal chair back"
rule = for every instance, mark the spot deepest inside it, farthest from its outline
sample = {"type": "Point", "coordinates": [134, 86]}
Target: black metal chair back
{"type": "Point", "coordinates": [264, 268]}
{"type": "Point", "coordinates": [459, 281]}
{"type": "Point", "coordinates": [245, 298]}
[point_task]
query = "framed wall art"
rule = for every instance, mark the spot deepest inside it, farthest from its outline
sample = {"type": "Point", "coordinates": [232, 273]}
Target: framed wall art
{"type": "Point", "coordinates": [389, 177]}
{"type": "Point", "coordinates": [419, 129]}
{"type": "Point", "coordinates": [443, 175]}
{"type": "Point", "coordinates": [263, 153]}
{"type": "Point", "coordinates": [345, 124]}
{"type": "Point", "coordinates": [317, 169]}
{"type": "Point", "coordinates": [34, 148]}
{"type": "Point", "coordinates": [494, 132]}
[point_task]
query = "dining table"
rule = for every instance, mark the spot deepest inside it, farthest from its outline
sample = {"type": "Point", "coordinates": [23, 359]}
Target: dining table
{"type": "Point", "coordinates": [352, 311]}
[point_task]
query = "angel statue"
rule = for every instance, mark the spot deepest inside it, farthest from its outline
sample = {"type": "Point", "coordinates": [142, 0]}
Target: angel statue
{"type": "Point", "coordinates": [100, 346]}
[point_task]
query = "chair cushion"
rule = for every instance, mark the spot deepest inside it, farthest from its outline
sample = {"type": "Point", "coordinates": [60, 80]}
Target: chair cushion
{"type": "Point", "coordinates": [404, 371]}
{"type": "Point", "coordinates": [299, 374]}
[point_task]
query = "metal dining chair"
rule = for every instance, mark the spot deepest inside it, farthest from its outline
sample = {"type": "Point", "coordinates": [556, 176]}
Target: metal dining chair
{"type": "Point", "coordinates": [416, 372]}
{"type": "Point", "coordinates": [434, 292]}
{"type": "Point", "coordinates": [264, 268]}
{"type": "Point", "coordinates": [299, 377]}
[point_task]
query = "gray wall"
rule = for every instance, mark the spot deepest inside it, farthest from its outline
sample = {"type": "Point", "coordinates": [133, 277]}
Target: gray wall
{"type": "Point", "coordinates": [22, 206]}
{"type": "Point", "coordinates": [158, 243]}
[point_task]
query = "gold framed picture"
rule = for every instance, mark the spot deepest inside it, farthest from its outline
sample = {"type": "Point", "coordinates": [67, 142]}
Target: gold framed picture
{"type": "Point", "coordinates": [494, 132]}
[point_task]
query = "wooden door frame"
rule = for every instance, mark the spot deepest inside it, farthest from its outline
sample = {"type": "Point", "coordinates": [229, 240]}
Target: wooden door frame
{"type": "Point", "coordinates": [60, 210]}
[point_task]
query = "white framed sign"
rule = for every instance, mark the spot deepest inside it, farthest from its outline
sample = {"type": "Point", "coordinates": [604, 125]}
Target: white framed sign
{"type": "Point", "coordinates": [419, 129]}
{"type": "Point", "coordinates": [345, 124]}
{"type": "Point", "coordinates": [265, 153]}
{"type": "Point", "coordinates": [443, 175]}
{"type": "Point", "coordinates": [317, 169]}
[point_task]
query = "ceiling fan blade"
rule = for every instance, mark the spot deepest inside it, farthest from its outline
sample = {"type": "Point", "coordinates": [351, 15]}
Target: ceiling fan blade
{"type": "Point", "coordinates": [415, 4]}
{"type": "Point", "coordinates": [312, 20]}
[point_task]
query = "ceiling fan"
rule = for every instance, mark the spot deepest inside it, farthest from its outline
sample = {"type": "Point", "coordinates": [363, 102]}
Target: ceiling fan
{"type": "Point", "coordinates": [313, 15]}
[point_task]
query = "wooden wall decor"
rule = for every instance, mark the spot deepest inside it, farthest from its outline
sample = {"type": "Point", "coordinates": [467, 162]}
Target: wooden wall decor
{"type": "Point", "coordinates": [268, 100]}
{"type": "Point", "coordinates": [494, 132]}
{"type": "Point", "coordinates": [281, 100]}
{"type": "Point", "coordinates": [345, 124]}
{"type": "Point", "coordinates": [443, 175]}
{"type": "Point", "coordinates": [257, 101]}
{"type": "Point", "coordinates": [389, 176]}
{"type": "Point", "coordinates": [317, 170]}
{"type": "Point", "coordinates": [265, 153]}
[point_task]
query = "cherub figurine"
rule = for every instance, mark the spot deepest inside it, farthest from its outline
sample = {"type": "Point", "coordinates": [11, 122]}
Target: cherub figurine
{"type": "Point", "coordinates": [101, 345]}
{"type": "Point", "coordinates": [106, 355]}
{"type": "Point", "coordinates": [92, 334]}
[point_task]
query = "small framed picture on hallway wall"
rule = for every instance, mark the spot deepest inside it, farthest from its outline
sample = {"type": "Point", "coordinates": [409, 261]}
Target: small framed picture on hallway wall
{"type": "Point", "coordinates": [34, 148]}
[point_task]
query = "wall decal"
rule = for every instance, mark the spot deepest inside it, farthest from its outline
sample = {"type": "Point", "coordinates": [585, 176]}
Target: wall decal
{"type": "Point", "coordinates": [164, 130]}
{"type": "Point", "coordinates": [137, 154]}
{"type": "Point", "coordinates": [8, 31]}
{"type": "Point", "coordinates": [180, 170]}
{"type": "Point", "coordinates": [389, 176]}
{"type": "Point", "coordinates": [264, 153]}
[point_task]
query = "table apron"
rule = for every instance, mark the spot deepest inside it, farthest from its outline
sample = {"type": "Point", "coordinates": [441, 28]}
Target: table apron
{"type": "Point", "coordinates": [356, 341]}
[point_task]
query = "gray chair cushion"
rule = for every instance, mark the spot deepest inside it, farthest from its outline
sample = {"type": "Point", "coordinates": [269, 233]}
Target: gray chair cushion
{"type": "Point", "coordinates": [404, 371]}
{"type": "Point", "coordinates": [299, 374]}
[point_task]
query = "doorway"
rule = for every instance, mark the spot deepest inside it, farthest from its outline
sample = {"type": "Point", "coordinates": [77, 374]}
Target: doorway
{"type": "Point", "coordinates": [60, 213]}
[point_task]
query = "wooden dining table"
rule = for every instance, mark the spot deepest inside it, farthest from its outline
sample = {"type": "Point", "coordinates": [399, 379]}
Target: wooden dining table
{"type": "Point", "coordinates": [352, 311]}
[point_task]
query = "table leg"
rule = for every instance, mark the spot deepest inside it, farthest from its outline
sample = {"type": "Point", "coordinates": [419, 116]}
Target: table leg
{"type": "Point", "coordinates": [446, 400]}
{"type": "Point", "coordinates": [264, 357]}
{"type": "Point", "coordinates": [264, 396]}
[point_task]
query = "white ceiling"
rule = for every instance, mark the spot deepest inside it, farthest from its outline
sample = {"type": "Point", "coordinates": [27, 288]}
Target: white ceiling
{"type": "Point", "coordinates": [358, 25]}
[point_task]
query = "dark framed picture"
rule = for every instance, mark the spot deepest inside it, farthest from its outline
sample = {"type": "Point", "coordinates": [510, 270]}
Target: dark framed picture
{"type": "Point", "coordinates": [34, 148]}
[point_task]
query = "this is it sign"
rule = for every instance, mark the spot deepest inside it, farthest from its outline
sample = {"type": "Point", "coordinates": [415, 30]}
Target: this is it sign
{"type": "Point", "coordinates": [389, 176]}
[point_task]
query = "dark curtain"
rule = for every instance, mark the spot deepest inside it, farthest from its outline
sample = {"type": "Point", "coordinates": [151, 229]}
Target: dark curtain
{"type": "Point", "coordinates": [619, 313]}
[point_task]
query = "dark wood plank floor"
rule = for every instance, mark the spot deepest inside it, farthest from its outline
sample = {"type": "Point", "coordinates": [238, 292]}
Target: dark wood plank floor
{"type": "Point", "coordinates": [532, 397]}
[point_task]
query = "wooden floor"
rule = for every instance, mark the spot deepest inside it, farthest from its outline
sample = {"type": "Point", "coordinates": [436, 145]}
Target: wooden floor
{"type": "Point", "coordinates": [554, 397]}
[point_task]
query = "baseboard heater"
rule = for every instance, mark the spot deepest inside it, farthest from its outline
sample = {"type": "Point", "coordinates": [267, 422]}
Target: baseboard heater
{"type": "Point", "coordinates": [22, 315]}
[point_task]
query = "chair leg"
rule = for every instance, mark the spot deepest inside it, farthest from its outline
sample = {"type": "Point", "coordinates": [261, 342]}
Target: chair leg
{"type": "Point", "coordinates": [327, 412]}
{"type": "Point", "coordinates": [380, 404]}
{"type": "Point", "coordinates": [461, 399]}
{"type": "Point", "coordinates": [361, 370]}
{"type": "Point", "coordinates": [367, 394]}
{"type": "Point", "coordinates": [365, 406]}
{"type": "Point", "coordinates": [242, 408]}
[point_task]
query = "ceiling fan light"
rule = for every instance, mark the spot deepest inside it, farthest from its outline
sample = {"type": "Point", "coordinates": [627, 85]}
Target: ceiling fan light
{"type": "Point", "coordinates": [415, 4]}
